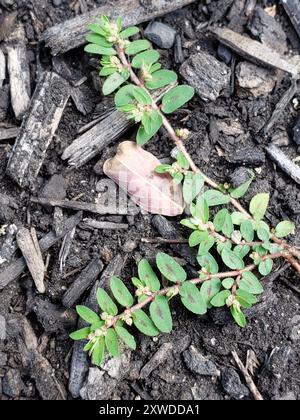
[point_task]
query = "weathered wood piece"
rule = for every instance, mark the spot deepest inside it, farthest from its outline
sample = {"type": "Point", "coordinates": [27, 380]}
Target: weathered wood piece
{"type": "Point", "coordinates": [281, 105]}
{"type": "Point", "coordinates": [71, 34]}
{"type": "Point", "coordinates": [19, 72]}
{"type": "Point", "coordinates": [38, 128]}
{"type": "Point", "coordinates": [2, 68]}
{"type": "Point", "coordinates": [206, 74]}
{"type": "Point", "coordinates": [66, 246]}
{"type": "Point", "coordinates": [255, 51]}
{"type": "Point", "coordinates": [28, 243]}
{"type": "Point", "coordinates": [82, 283]}
{"type": "Point", "coordinates": [80, 362]}
{"type": "Point", "coordinates": [9, 133]}
{"type": "Point", "coordinates": [94, 224]}
{"type": "Point", "coordinates": [292, 8]}
{"type": "Point", "coordinates": [82, 206]}
{"type": "Point", "coordinates": [16, 268]}
{"type": "Point", "coordinates": [284, 162]}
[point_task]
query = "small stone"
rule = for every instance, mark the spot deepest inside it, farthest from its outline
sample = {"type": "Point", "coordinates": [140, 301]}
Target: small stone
{"type": "Point", "coordinates": [55, 188]}
{"type": "Point", "coordinates": [239, 176]}
{"type": "Point", "coordinates": [2, 328]}
{"type": "Point", "coordinates": [56, 3]}
{"type": "Point", "coordinates": [129, 246]}
{"type": "Point", "coordinates": [281, 138]}
{"type": "Point", "coordinates": [247, 156]}
{"type": "Point", "coordinates": [98, 386]}
{"type": "Point", "coordinates": [3, 359]}
{"type": "Point", "coordinates": [206, 74]}
{"type": "Point", "coordinates": [232, 384]}
{"type": "Point", "coordinates": [199, 364]}
{"type": "Point", "coordinates": [118, 367]}
{"type": "Point", "coordinates": [224, 53]}
{"type": "Point", "coordinates": [161, 34]}
{"type": "Point", "coordinates": [230, 127]}
{"type": "Point", "coordinates": [296, 130]}
{"type": "Point", "coordinates": [254, 79]}
{"type": "Point", "coordinates": [12, 383]}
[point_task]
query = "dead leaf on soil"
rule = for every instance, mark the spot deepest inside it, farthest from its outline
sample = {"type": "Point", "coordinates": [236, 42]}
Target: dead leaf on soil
{"type": "Point", "coordinates": [133, 169]}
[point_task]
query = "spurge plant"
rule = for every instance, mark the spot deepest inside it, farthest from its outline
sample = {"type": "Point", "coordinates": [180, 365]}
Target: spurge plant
{"type": "Point", "coordinates": [239, 240]}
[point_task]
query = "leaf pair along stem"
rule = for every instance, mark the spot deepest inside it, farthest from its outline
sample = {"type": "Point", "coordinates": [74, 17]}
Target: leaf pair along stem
{"type": "Point", "coordinates": [291, 251]}
{"type": "Point", "coordinates": [233, 274]}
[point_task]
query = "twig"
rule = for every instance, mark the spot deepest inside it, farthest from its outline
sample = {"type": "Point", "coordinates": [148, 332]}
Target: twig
{"type": "Point", "coordinates": [251, 385]}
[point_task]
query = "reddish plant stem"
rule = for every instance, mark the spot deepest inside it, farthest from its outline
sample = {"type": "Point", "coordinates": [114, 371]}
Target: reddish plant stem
{"type": "Point", "coordinates": [178, 142]}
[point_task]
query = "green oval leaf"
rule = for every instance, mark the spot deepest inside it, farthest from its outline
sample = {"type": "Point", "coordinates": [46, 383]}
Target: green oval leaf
{"type": "Point", "coordinates": [96, 29]}
{"type": "Point", "coordinates": [142, 96]}
{"type": "Point", "coordinates": [111, 342]}
{"type": "Point", "coordinates": [197, 237]}
{"type": "Point", "coordinates": [144, 324]}
{"type": "Point", "coordinates": [246, 298]}
{"type": "Point", "coordinates": [238, 316]}
{"type": "Point", "coordinates": [112, 83]}
{"type": "Point", "coordinates": [121, 293]}
{"type": "Point", "coordinates": [200, 210]}
{"type": "Point", "coordinates": [210, 289]}
{"type": "Point", "coordinates": [228, 283]}
{"type": "Point", "coordinates": [263, 234]}
{"type": "Point", "coordinates": [192, 298]}
{"type": "Point", "coordinates": [176, 98]}
{"type": "Point", "coordinates": [259, 205]}
{"type": "Point", "coordinates": [219, 219]}
{"type": "Point", "coordinates": [192, 186]}
{"type": "Point", "coordinates": [98, 352]}
{"type": "Point", "coordinates": [249, 283]}
{"type": "Point", "coordinates": [148, 276]}
{"type": "Point", "coordinates": [98, 49]}
{"type": "Point", "coordinates": [80, 334]}
{"type": "Point", "coordinates": [247, 231]}
{"type": "Point", "coordinates": [127, 33]}
{"type": "Point", "coordinates": [98, 40]}
{"type": "Point", "coordinates": [232, 260]}
{"type": "Point", "coordinates": [238, 218]}
{"type": "Point", "coordinates": [206, 245]}
{"type": "Point", "coordinates": [265, 267]}
{"type": "Point", "coordinates": [138, 46]}
{"type": "Point", "coordinates": [106, 303]}
{"type": "Point", "coordinates": [87, 314]}
{"type": "Point", "coordinates": [170, 268]}
{"type": "Point", "coordinates": [216, 198]}
{"type": "Point", "coordinates": [126, 337]}
{"type": "Point", "coordinates": [161, 79]}
{"type": "Point", "coordinates": [240, 191]}
{"type": "Point", "coordinates": [220, 299]}
{"type": "Point", "coordinates": [145, 58]}
{"type": "Point", "coordinates": [209, 263]}
{"type": "Point", "coordinates": [146, 133]}
{"type": "Point", "coordinates": [161, 315]}
{"type": "Point", "coordinates": [228, 227]}
{"type": "Point", "coordinates": [284, 229]}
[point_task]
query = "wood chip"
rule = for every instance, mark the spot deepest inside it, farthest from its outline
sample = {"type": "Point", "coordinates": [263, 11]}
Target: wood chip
{"type": "Point", "coordinates": [292, 8]}
{"type": "Point", "coordinates": [38, 128]}
{"type": "Point", "coordinates": [9, 133]}
{"type": "Point", "coordinates": [284, 162]}
{"type": "Point", "coordinates": [2, 68]}
{"type": "Point", "coordinates": [71, 34]}
{"type": "Point", "coordinates": [94, 224]}
{"type": "Point", "coordinates": [255, 51]}
{"type": "Point", "coordinates": [29, 246]}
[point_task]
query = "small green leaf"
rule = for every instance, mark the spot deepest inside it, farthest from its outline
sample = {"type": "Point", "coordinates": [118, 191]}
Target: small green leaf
{"type": "Point", "coordinates": [161, 315]}
{"type": "Point", "coordinates": [240, 191]}
{"type": "Point", "coordinates": [265, 267]}
{"type": "Point", "coordinates": [148, 276]}
{"type": "Point", "coordinates": [238, 316]}
{"type": "Point", "coordinates": [97, 326]}
{"type": "Point", "coordinates": [127, 33]}
{"type": "Point", "coordinates": [219, 219]}
{"type": "Point", "coordinates": [216, 198]}
{"type": "Point", "coordinates": [88, 347]}
{"type": "Point", "coordinates": [246, 297]}
{"type": "Point", "coordinates": [96, 29]}
{"type": "Point", "coordinates": [161, 79]}
{"type": "Point", "coordinates": [143, 135]}
{"type": "Point", "coordinates": [220, 299]}
{"type": "Point", "coordinates": [223, 245]}
{"type": "Point", "coordinates": [228, 227]}
{"type": "Point", "coordinates": [284, 229]}
{"type": "Point", "coordinates": [125, 336]}
{"type": "Point", "coordinates": [119, 24]}
{"type": "Point", "coordinates": [107, 71]}
{"type": "Point", "coordinates": [144, 324]}
{"type": "Point", "coordinates": [145, 58]}
{"type": "Point", "coordinates": [247, 231]}
{"type": "Point", "coordinates": [177, 178]}
{"type": "Point", "coordinates": [182, 161]}
{"type": "Point", "coordinates": [210, 289]}
{"type": "Point", "coordinates": [209, 263]}
{"type": "Point", "coordinates": [87, 314]}
{"type": "Point", "coordinates": [231, 260]}
{"type": "Point", "coordinates": [105, 302]}
{"type": "Point", "coordinates": [80, 334]}
{"type": "Point", "coordinates": [197, 237]}
{"type": "Point", "coordinates": [170, 268]}
{"type": "Point", "coordinates": [142, 96]}
{"type": "Point", "coordinates": [228, 283]}
{"type": "Point", "coordinates": [259, 205]}
{"type": "Point", "coordinates": [176, 98]}
{"type": "Point", "coordinates": [187, 223]}
{"type": "Point", "coordinates": [192, 298]}
{"type": "Point", "coordinates": [98, 40]}
{"type": "Point", "coordinates": [124, 96]}
{"type": "Point", "coordinates": [112, 83]}
{"type": "Point", "coordinates": [162, 169]}
{"type": "Point", "coordinates": [98, 49]}
{"type": "Point", "coordinates": [111, 342]}
{"type": "Point", "coordinates": [137, 282]}
{"type": "Point", "coordinates": [201, 210]}
{"type": "Point", "coordinates": [121, 293]}
{"type": "Point", "coordinates": [263, 234]}
{"type": "Point", "coordinates": [242, 250]}
{"type": "Point", "coordinates": [192, 186]}
{"type": "Point", "coordinates": [138, 46]}
{"type": "Point", "coordinates": [206, 245]}
{"type": "Point", "coordinates": [249, 283]}
{"type": "Point", "coordinates": [98, 352]}
{"type": "Point", "coordinates": [238, 218]}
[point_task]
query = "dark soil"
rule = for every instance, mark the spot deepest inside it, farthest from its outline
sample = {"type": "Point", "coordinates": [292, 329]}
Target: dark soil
{"type": "Point", "coordinates": [273, 328]}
